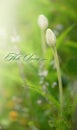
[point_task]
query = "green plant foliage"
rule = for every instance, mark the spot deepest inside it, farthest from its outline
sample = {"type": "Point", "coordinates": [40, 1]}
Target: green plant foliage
{"type": "Point", "coordinates": [29, 94]}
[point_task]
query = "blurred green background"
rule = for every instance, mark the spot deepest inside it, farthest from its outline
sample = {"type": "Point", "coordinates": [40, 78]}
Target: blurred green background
{"type": "Point", "coordinates": [29, 91]}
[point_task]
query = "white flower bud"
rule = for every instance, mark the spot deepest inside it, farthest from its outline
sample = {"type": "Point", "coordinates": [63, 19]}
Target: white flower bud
{"type": "Point", "coordinates": [50, 38]}
{"type": "Point", "coordinates": [42, 22]}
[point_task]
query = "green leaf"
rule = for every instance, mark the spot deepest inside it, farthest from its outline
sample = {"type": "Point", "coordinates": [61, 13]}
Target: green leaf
{"type": "Point", "coordinates": [38, 90]}
{"type": "Point", "coordinates": [63, 35]}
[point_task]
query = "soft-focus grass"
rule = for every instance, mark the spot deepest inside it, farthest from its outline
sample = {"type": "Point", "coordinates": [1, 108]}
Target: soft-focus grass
{"type": "Point", "coordinates": [29, 113]}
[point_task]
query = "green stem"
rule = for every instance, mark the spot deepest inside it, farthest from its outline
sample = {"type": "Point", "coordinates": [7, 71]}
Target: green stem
{"type": "Point", "coordinates": [43, 42]}
{"type": "Point", "coordinates": [59, 79]}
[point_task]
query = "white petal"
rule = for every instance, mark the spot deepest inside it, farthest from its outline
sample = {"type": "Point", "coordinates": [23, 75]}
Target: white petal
{"type": "Point", "coordinates": [50, 38]}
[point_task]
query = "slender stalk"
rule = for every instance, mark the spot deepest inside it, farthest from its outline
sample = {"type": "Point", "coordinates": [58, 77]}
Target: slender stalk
{"type": "Point", "coordinates": [43, 42]}
{"type": "Point", "coordinates": [59, 80]}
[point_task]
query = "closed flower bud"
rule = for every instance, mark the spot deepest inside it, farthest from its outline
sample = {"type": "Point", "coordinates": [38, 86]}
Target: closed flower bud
{"type": "Point", "coordinates": [42, 22]}
{"type": "Point", "coordinates": [50, 38]}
